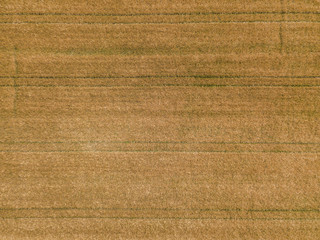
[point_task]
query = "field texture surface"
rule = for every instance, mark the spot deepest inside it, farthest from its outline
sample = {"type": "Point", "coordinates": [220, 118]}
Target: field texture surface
{"type": "Point", "coordinates": [160, 119]}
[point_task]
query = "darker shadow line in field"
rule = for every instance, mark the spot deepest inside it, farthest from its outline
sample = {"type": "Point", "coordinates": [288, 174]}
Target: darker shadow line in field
{"type": "Point", "coordinates": [160, 85]}
{"type": "Point", "coordinates": [283, 12]}
{"type": "Point", "coordinates": [166, 218]}
{"type": "Point", "coordinates": [159, 209]}
{"type": "Point", "coordinates": [159, 76]}
{"type": "Point", "coordinates": [159, 142]}
{"type": "Point", "coordinates": [152, 151]}
{"type": "Point", "coordinates": [152, 14]}
{"type": "Point", "coordinates": [156, 23]}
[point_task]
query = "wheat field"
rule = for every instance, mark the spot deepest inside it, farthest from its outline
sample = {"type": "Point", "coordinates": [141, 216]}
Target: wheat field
{"type": "Point", "coordinates": [160, 119]}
